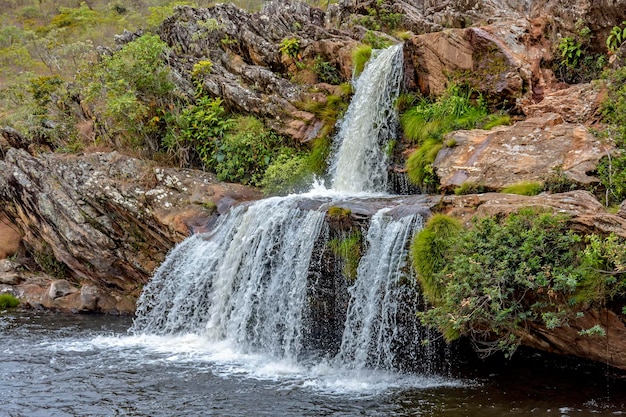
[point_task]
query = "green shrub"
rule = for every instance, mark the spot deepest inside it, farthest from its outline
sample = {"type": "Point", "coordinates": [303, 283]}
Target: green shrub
{"type": "Point", "coordinates": [325, 71]}
{"type": "Point", "coordinates": [616, 37]}
{"type": "Point", "coordinates": [245, 152]}
{"type": "Point", "coordinates": [318, 157]}
{"type": "Point", "coordinates": [348, 249]}
{"type": "Point", "coordinates": [419, 166]}
{"type": "Point", "coordinates": [524, 188]}
{"type": "Point", "coordinates": [376, 41]}
{"type": "Point", "coordinates": [576, 62]}
{"type": "Point", "coordinates": [289, 173]}
{"type": "Point", "coordinates": [336, 212]}
{"type": "Point", "coordinates": [500, 274]}
{"type": "Point", "coordinates": [494, 120]}
{"type": "Point", "coordinates": [360, 56]}
{"type": "Point", "coordinates": [290, 47]}
{"type": "Point", "coordinates": [8, 300]}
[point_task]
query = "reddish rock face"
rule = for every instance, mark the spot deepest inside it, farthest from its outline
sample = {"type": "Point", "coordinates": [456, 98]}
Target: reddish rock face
{"type": "Point", "coordinates": [528, 151]}
{"type": "Point", "coordinates": [10, 237]}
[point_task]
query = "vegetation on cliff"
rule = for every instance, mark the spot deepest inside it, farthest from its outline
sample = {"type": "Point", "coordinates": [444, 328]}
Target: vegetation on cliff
{"type": "Point", "coordinates": [490, 281]}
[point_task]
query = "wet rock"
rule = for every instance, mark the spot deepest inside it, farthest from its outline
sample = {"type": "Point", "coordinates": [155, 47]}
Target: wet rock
{"type": "Point", "coordinates": [530, 150]}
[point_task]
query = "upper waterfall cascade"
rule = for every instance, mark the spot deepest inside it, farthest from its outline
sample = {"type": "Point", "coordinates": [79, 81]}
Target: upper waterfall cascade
{"type": "Point", "coordinates": [360, 162]}
{"type": "Point", "coordinates": [246, 281]}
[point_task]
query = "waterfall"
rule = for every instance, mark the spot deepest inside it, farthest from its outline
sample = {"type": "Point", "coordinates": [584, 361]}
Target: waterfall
{"type": "Point", "coordinates": [370, 326]}
{"type": "Point", "coordinates": [360, 163]}
{"type": "Point", "coordinates": [246, 282]}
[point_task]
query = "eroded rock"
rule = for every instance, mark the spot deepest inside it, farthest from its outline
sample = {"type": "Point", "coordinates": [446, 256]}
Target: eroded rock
{"type": "Point", "coordinates": [107, 218]}
{"type": "Point", "coordinates": [529, 151]}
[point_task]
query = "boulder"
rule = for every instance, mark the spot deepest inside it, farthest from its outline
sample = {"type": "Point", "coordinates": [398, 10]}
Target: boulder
{"type": "Point", "coordinates": [10, 237]}
{"type": "Point", "coordinates": [478, 57]}
{"type": "Point", "coordinates": [575, 104]}
{"type": "Point", "coordinates": [528, 151]}
{"type": "Point", "coordinates": [60, 288]}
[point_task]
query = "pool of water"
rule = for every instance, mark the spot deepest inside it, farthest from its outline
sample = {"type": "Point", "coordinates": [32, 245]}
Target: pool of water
{"type": "Point", "coordinates": [73, 365]}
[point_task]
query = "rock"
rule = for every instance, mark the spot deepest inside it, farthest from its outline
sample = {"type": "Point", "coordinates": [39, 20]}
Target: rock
{"type": "Point", "coordinates": [108, 218]}
{"type": "Point", "coordinates": [588, 215]}
{"type": "Point", "coordinates": [473, 56]}
{"type": "Point", "coordinates": [89, 295]}
{"type": "Point", "coordinates": [530, 150]}
{"type": "Point", "coordinates": [576, 104]}
{"type": "Point", "coordinates": [567, 340]}
{"type": "Point", "coordinates": [249, 72]}
{"type": "Point", "coordinates": [10, 237]}
{"type": "Point", "coordinates": [60, 288]}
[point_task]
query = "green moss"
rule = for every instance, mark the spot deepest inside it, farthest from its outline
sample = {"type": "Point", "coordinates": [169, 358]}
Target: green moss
{"type": "Point", "coordinates": [470, 188]}
{"type": "Point", "coordinates": [337, 212]}
{"type": "Point", "coordinates": [524, 188]}
{"type": "Point", "coordinates": [8, 300]}
{"type": "Point", "coordinates": [419, 166]}
{"type": "Point", "coordinates": [318, 157]}
{"type": "Point", "coordinates": [360, 56]}
{"type": "Point", "coordinates": [428, 251]}
{"type": "Point", "coordinates": [348, 249]}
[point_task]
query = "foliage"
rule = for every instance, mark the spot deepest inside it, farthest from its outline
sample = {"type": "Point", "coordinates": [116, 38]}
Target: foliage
{"type": "Point", "coordinates": [336, 212]}
{"type": "Point", "coordinates": [503, 272]}
{"type": "Point", "coordinates": [576, 62]}
{"type": "Point", "coordinates": [360, 56]}
{"type": "Point", "coordinates": [201, 68]}
{"type": "Point", "coordinates": [376, 41]}
{"type": "Point", "coordinates": [470, 188]}
{"type": "Point", "coordinates": [349, 250]}
{"type": "Point", "coordinates": [452, 111]}
{"type": "Point", "coordinates": [318, 157]}
{"type": "Point", "coordinates": [8, 300]}
{"type": "Point", "coordinates": [245, 152]}
{"type": "Point", "coordinates": [325, 71]}
{"type": "Point", "coordinates": [290, 47]}
{"type": "Point", "coordinates": [523, 188]}
{"type": "Point", "coordinates": [557, 182]}
{"type": "Point", "coordinates": [419, 166]}
{"type": "Point", "coordinates": [612, 173]}
{"type": "Point", "coordinates": [379, 17]}
{"type": "Point", "coordinates": [196, 131]}
{"type": "Point", "coordinates": [129, 88]}
{"type": "Point", "coordinates": [616, 37]}
{"type": "Point", "coordinates": [289, 173]}
{"type": "Point", "coordinates": [494, 120]}
{"type": "Point", "coordinates": [604, 265]}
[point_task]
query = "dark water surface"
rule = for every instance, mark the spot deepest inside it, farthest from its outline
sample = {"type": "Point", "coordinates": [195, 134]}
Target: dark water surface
{"type": "Point", "coordinates": [58, 365]}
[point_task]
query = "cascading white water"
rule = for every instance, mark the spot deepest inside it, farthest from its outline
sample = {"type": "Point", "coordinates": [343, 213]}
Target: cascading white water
{"type": "Point", "coordinates": [245, 283]}
{"type": "Point", "coordinates": [370, 326]}
{"type": "Point", "coordinates": [360, 163]}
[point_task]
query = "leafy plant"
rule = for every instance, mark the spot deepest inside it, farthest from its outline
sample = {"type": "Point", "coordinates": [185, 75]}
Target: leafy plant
{"type": "Point", "coordinates": [290, 47]}
{"type": "Point", "coordinates": [8, 300]}
{"type": "Point", "coordinates": [325, 71]}
{"type": "Point", "coordinates": [570, 50]}
{"type": "Point", "coordinates": [576, 61]}
{"type": "Point", "coordinates": [616, 38]}
{"type": "Point", "coordinates": [376, 41]}
{"type": "Point", "coordinates": [523, 188]}
{"type": "Point", "coordinates": [245, 152]}
{"type": "Point", "coordinates": [288, 173]}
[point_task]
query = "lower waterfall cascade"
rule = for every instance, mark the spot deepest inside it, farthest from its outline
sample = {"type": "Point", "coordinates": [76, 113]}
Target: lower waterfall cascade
{"type": "Point", "coordinates": [246, 282]}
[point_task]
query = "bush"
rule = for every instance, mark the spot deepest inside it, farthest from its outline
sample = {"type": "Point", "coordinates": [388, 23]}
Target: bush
{"type": "Point", "coordinates": [289, 173]}
{"type": "Point", "coordinates": [8, 300]}
{"type": "Point", "coordinates": [491, 279]}
{"type": "Point", "coordinates": [244, 153]}
{"type": "Point", "coordinates": [325, 71]}
{"type": "Point", "coordinates": [523, 188]}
